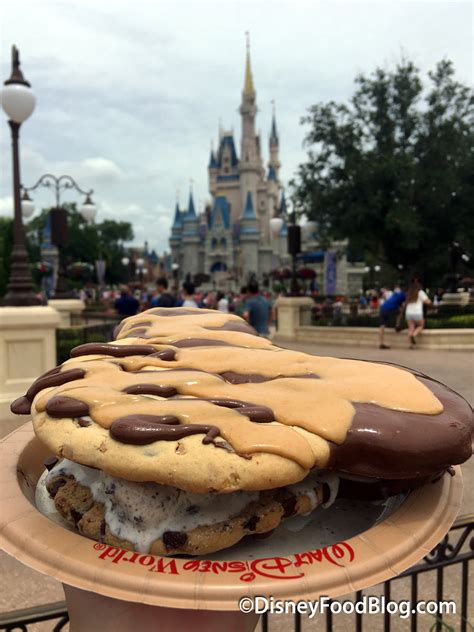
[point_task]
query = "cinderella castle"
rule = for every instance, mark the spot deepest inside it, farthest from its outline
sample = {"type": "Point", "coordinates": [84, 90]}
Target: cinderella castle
{"type": "Point", "coordinates": [231, 240]}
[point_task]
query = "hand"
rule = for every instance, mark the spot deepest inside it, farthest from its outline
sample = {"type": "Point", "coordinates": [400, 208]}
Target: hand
{"type": "Point", "coordinates": [90, 611]}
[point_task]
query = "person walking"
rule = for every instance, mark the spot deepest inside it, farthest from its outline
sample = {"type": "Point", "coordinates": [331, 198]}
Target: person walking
{"type": "Point", "coordinates": [390, 313]}
{"type": "Point", "coordinates": [416, 298]}
{"type": "Point", "coordinates": [222, 303]}
{"type": "Point", "coordinates": [188, 295]}
{"type": "Point", "coordinates": [163, 298]}
{"type": "Point", "coordinates": [126, 305]}
{"type": "Point", "coordinates": [257, 310]}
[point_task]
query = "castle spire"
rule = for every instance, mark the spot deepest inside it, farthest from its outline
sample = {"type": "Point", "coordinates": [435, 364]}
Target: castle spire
{"type": "Point", "coordinates": [273, 132]}
{"type": "Point", "coordinates": [249, 88]}
{"type": "Point", "coordinates": [191, 214]}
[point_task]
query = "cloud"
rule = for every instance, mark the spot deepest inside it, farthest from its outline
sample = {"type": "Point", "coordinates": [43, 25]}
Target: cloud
{"type": "Point", "coordinates": [129, 95]}
{"type": "Point", "coordinates": [100, 169]}
{"type": "Point", "coordinates": [6, 206]}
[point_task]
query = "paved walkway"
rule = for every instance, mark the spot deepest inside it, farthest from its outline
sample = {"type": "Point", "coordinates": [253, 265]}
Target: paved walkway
{"type": "Point", "coordinates": [21, 587]}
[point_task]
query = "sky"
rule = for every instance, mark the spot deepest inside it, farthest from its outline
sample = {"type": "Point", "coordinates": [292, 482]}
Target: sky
{"type": "Point", "coordinates": [130, 94]}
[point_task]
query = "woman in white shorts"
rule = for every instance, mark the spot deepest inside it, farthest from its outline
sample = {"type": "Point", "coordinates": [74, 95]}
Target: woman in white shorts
{"type": "Point", "coordinates": [416, 298]}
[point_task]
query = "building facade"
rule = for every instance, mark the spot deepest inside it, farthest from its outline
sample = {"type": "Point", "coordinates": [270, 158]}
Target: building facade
{"type": "Point", "coordinates": [230, 241]}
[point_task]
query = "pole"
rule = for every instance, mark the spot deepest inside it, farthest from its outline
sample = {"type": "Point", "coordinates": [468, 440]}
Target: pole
{"type": "Point", "coordinates": [294, 248]}
{"type": "Point", "coordinates": [20, 290]}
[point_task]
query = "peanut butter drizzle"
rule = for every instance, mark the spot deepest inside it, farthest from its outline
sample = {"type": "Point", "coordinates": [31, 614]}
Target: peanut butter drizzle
{"type": "Point", "coordinates": [321, 406]}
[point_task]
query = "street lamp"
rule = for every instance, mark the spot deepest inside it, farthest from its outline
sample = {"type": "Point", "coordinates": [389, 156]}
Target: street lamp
{"type": "Point", "coordinates": [175, 272]}
{"type": "Point", "coordinates": [141, 268]}
{"type": "Point", "coordinates": [294, 244]}
{"type": "Point", "coordinates": [370, 270]}
{"type": "Point", "coordinates": [59, 221]}
{"type": "Point", "coordinates": [18, 103]}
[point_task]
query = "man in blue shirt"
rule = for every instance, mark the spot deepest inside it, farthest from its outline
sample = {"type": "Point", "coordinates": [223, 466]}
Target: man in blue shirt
{"type": "Point", "coordinates": [390, 313]}
{"type": "Point", "coordinates": [257, 310]}
{"type": "Point", "coordinates": [126, 305]}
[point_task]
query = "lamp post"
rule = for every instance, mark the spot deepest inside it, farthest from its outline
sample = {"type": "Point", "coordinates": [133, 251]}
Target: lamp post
{"type": "Point", "coordinates": [18, 102]}
{"type": "Point", "coordinates": [293, 242]}
{"type": "Point", "coordinates": [59, 221]}
{"type": "Point", "coordinates": [175, 271]}
{"type": "Point", "coordinates": [140, 269]}
{"type": "Point", "coordinates": [126, 264]}
{"type": "Point", "coordinates": [373, 271]}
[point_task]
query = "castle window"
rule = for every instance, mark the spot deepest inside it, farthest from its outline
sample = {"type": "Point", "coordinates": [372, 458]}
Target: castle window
{"type": "Point", "coordinates": [226, 169]}
{"type": "Point", "coordinates": [223, 242]}
{"type": "Point", "coordinates": [214, 243]}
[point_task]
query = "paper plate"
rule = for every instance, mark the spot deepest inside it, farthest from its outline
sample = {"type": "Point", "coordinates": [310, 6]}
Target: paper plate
{"type": "Point", "coordinates": [303, 569]}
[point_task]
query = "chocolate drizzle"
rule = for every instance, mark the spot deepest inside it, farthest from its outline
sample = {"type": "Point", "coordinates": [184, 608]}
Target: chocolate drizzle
{"type": "Point", "coordinates": [225, 368]}
{"type": "Point", "coordinates": [150, 389]}
{"type": "Point", "coordinates": [199, 342]}
{"type": "Point", "coordinates": [144, 429]}
{"type": "Point", "coordinates": [22, 405]}
{"type": "Point", "coordinates": [117, 351]}
{"type": "Point", "coordinates": [61, 406]}
{"type": "Point", "coordinates": [232, 325]}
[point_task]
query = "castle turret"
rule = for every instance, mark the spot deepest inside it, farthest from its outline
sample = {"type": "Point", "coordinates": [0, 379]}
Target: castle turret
{"type": "Point", "coordinates": [274, 143]}
{"type": "Point", "coordinates": [212, 171]}
{"type": "Point", "coordinates": [176, 232]}
{"type": "Point", "coordinates": [249, 238]}
{"type": "Point", "coordinates": [190, 238]}
{"type": "Point", "coordinates": [250, 166]}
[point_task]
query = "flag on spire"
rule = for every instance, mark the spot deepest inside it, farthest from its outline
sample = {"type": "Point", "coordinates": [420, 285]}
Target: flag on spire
{"type": "Point", "coordinates": [249, 88]}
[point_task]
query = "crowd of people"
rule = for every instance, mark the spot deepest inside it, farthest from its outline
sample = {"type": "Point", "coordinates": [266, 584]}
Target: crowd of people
{"type": "Point", "coordinates": [249, 303]}
{"type": "Point", "coordinates": [255, 306]}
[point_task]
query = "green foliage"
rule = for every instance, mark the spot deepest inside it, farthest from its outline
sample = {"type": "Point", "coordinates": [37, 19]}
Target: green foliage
{"type": "Point", "coordinates": [87, 242]}
{"type": "Point", "coordinates": [392, 170]}
{"type": "Point", "coordinates": [6, 242]}
{"type": "Point", "coordinates": [465, 321]}
{"type": "Point", "coordinates": [70, 337]}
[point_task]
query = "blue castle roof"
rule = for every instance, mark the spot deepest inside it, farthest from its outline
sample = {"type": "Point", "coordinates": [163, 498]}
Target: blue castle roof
{"type": "Point", "coordinates": [227, 141]}
{"type": "Point", "coordinates": [212, 160]}
{"type": "Point", "coordinates": [274, 133]}
{"type": "Point", "coordinates": [177, 223]}
{"type": "Point", "coordinates": [249, 212]}
{"type": "Point", "coordinates": [191, 212]}
{"type": "Point", "coordinates": [221, 207]}
{"type": "Point", "coordinates": [271, 173]}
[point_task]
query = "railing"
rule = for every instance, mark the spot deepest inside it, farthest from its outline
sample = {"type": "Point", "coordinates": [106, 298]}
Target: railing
{"type": "Point", "coordinates": [69, 337]}
{"type": "Point", "coordinates": [456, 548]}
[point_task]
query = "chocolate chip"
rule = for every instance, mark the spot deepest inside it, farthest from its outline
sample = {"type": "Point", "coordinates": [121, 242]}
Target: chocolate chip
{"type": "Point", "coordinates": [55, 486]}
{"type": "Point", "coordinates": [174, 540]}
{"type": "Point", "coordinates": [84, 423]}
{"type": "Point", "coordinates": [262, 536]}
{"type": "Point", "coordinates": [251, 523]}
{"type": "Point", "coordinates": [102, 528]}
{"type": "Point", "coordinates": [192, 510]}
{"type": "Point", "coordinates": [110, 488]}
{"type": "Point", "coordinates": [289, 507]}
{"type": "Point", "coordinates": [326, 493]}
{"type": "Point", "coordinates": [287, 501]}
{"type": "Point", "coordinates": [50, 462]}
{"type": "Point", "coordinates": [75, 515]}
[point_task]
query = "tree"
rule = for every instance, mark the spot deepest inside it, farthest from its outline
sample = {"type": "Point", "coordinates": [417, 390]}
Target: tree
{"type": "Point", "coordinates": [87, 242]}
{"type": "Point", "coordinates": [392, 170]}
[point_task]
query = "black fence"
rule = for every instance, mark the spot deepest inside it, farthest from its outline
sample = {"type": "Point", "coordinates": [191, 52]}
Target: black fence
{"type": "Point", "coordinates": [455, 550]}
{"type": "Point", "coordinates": [70, 337]}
